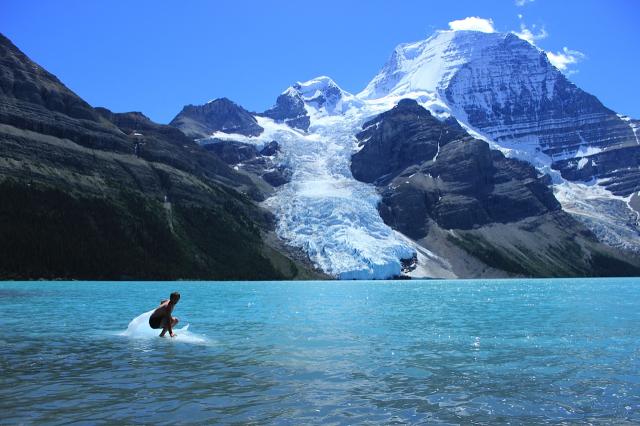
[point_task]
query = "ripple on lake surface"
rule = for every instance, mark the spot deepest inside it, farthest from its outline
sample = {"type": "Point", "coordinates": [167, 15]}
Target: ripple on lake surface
{"type": "Point", "coordinates": [324, 352]}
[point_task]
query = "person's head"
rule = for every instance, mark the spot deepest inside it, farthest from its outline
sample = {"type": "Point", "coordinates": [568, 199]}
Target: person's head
{"type": "Point", "coordinates": [174, 297]}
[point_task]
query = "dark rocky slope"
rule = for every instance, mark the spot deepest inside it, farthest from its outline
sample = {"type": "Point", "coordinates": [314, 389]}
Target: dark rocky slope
{"type": "Point", "coordinates": [486, 213]}
{"type": "Point", "coordinates": [79, 201]}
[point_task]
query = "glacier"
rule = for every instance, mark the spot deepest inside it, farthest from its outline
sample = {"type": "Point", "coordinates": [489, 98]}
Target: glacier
{"type": "Point", "coordinates": [323, 209]}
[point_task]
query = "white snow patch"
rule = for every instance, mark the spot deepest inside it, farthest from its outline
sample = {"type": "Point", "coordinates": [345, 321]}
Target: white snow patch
{"type": "Point", "coordinates": [428, 65]}
{"type": "Point", "coordinates": [585, 151]}
{"type": "Point", "coordinates": [582, 162]}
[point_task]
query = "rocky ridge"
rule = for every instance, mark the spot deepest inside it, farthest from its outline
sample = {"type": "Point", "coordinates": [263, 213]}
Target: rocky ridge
{"type": "Point", "coordinates": [91, 194]}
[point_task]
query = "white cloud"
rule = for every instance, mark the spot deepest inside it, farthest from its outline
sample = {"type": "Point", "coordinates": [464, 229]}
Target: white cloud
{"type": "Point", "coordinates": [526, 34]}
{"type": "Point", "coordinates": [473, 23]}
{"type": "Point", "coordinates": [523, 2]}
{"type": "Point", "coordinates": [563, 60]}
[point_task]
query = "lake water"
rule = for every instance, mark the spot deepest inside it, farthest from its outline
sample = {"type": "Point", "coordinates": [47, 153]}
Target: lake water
{"type": "Point", "coordinates": [488, 351]}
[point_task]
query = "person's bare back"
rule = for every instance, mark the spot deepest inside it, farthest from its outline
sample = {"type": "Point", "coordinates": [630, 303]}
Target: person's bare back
{"type": "Point", "coordinates": [161, 317]}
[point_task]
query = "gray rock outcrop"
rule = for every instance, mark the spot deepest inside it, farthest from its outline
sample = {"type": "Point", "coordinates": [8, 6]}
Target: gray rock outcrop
{"type": "Point", "coordinates": [200, 121]}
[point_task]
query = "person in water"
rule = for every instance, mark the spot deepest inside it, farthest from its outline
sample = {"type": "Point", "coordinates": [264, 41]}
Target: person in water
{"type": "Point", "coordinates": [161, 317]}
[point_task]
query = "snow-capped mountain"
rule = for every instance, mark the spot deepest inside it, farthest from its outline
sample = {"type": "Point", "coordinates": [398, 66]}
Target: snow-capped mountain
{"type": "Point", "coordinates": [506, 90]}
{"type": "Point", "coordinates": [501, 89]}
{"type": "Point", "coordinates": [325, 96]}
{"type": "Point", "coordinates": [320, 95]}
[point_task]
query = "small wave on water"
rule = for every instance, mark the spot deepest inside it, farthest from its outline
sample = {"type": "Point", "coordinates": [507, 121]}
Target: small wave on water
{"type": "Point", "coordinates": [139, 328]}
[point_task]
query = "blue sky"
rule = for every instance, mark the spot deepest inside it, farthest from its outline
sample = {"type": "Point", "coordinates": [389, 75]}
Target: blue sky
{"type": "Point", "coordinates": [155, 56]}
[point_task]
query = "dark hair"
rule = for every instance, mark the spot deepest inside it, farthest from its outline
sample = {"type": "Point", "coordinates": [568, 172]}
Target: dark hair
{"type": "Point", "coordinates": [174, 297]}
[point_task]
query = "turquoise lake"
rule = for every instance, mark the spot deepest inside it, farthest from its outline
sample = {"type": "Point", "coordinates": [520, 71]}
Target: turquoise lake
{"type": "Point", "coordinates": [486, 351]}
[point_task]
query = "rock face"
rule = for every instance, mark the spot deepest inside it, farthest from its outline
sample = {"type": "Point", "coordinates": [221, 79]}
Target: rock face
{"type": "Point", "coordinates": [567, 122]}
{"type": "Point", "coordinates": [618, 167]}
{"type": "Point", "coordinates": [24, 81]}
{"type": "Point", "coordinates": [404, 136]}
{"type": "Point", "coordinates": [168, 145]}
{"type": "Point", "coordinates": [431, 169]}
{"type": "Point", "coordinates": [232, 152]}
{"type": "Point", "coordinates": [80, 201]}
{"type": "Point", "coordinates": [199, 121]}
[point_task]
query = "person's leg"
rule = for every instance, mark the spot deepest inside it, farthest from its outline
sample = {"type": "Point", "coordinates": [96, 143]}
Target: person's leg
{"type": "Point", "coordinates": [163, 324]}
{"type": "Point", "coordinates": [174, 321]}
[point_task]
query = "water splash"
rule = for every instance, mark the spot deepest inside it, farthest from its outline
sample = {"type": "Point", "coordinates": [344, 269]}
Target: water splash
{"type": "Point", "coordinates": [139, 328]}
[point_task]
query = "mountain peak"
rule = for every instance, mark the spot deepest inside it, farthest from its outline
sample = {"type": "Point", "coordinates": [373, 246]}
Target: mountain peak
{"type": "Point", "coordinates": [222, 114]}
{"type": "Point", "coordinates": [428, 65]}
{"type": "Point", "coordinates": [323, 95]}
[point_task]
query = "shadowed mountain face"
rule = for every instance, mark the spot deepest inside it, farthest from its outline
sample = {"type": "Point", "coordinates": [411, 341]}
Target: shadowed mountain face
{"type": "Point", "coordinates": [22, 80]}
{"type": "Point", "coordinates": [428, 168]}
{"type": "Point", "coordinates": [434, 178]}
{"type": "Point", "coordinates": [416, 135]}
{"type": "Point", "coordinates": [199, 121]}
{"type": "Point", "coordinates": [91, 194]}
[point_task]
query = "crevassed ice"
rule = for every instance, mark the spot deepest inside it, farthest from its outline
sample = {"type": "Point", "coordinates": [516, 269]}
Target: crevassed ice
{"type": "Point", "coordinates": [324, 210]}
